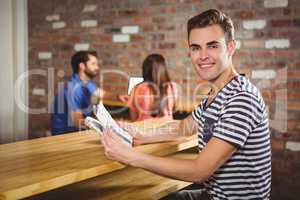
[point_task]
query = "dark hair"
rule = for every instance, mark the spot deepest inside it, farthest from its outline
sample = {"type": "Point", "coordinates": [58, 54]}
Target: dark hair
{"type": "Point", "coordinates": [81, 57]}
{"type": "Point", "coordinates": [212, 17]}
{"type": "Point", "coordinates": [155, 72]}
{"type": "Point", "coordinates": [154, 69]}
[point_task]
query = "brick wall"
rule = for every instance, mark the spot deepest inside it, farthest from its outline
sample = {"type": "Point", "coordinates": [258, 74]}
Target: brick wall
{"type": "Point", "coordinates": [124, 32]}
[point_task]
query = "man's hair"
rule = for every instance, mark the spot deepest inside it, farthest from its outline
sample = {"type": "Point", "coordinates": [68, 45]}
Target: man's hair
{"type": "Point", "coordinates": [81, 57]}
{"type": "Point", "coordinates": [212, 17]}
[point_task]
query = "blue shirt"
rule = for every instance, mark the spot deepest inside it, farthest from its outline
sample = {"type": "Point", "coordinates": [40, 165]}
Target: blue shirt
{"type": "Point", "coordinates": [74, 96]}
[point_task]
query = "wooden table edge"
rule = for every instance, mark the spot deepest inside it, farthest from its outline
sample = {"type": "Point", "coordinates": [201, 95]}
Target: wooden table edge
{"type": "Point", "coordinates": [56, 182]}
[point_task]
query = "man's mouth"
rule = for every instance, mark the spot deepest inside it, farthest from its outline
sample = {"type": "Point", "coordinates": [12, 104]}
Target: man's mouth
{"type": "Point", "coordinates": [206, 65]}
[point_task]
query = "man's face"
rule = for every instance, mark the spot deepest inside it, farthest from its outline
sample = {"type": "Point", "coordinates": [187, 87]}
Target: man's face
{"type": "Point", "coordinates": [209, 52]}
{"type": "Point", "coordinates": [91, 67]}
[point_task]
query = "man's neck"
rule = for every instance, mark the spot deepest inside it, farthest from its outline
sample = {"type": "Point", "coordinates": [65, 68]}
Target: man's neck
{"type": "Point", "coordinates": [222, 80]}
{"type": "Point", "coordinates": [83, 77]}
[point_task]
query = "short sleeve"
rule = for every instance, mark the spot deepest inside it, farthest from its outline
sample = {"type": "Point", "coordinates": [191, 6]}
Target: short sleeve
{"type": "Point", "coordinates": [78, 98]}
{"type": "Point", "coordinates": [239, 116]}
{"type": "Point", "coordinates": [197, 113]}
{"type": "Point", "coordinates": [91, 86]}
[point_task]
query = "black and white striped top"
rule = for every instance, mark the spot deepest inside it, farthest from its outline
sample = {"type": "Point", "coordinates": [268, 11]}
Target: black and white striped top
{"type": "Point", "coordinates": [238, 116]}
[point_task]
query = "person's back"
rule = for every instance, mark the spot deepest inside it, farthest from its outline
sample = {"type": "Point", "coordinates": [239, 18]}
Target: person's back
{"type": "Point", "coordinates": [156, 96]}
{"type": "Point", "coordinates": [143, 102]}
{"type": "Point", "coordinates": [74, 96]}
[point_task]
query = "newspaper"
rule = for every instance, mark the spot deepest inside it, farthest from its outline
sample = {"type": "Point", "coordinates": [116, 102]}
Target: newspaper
{"type": "Point", "coordinates": [104, 121]}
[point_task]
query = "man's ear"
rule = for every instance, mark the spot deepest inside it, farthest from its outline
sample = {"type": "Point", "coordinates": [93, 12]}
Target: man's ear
{"type": "Point", "coordinates": [231, 46]}
{"type": "Point", "coordinates": [81, 66]}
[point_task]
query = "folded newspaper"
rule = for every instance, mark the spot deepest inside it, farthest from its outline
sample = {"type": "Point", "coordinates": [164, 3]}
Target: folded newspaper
{"type": "Point", "coordinates": [104, 121]}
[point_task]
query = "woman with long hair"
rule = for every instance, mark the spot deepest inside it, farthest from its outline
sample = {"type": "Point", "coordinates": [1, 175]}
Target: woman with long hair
{"type": "Point", "coordinates": [156, 95]}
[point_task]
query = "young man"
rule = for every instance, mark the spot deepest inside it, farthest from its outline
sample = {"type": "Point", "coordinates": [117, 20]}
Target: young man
{"type": "Point", "coordinates": [73, 102]}
{"type": "Point", "coordinates": [234, 160]}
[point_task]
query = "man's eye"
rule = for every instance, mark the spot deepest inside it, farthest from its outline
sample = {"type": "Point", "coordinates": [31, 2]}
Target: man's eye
{"type": "Point", "coordinates": [213, 46]}
{"type": "Point", "coordinates": [194, 48]}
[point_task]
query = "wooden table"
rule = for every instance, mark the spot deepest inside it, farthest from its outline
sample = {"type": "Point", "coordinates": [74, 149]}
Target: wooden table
{"type": "Point", "coordinates": [35, 166]}
{"type": "Point", "coordinates": [127, 183]}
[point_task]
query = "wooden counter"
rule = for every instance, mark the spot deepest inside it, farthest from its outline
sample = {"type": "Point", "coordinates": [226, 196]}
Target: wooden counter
{"type": "Point", "coordinates": [35, 166]}
{"type": "Point", "coordinates": [127, 183]}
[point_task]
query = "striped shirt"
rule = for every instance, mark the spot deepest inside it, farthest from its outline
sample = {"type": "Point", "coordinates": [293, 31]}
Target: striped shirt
{"type": "Point", "coordinates": [238, 116]}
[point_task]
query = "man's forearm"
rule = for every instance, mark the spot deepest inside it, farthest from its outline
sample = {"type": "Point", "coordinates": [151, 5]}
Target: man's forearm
{"type": "Point", "coordinates": [166, 132]}
{"type": "Point", "coordinates": [180, 169]}
{"type": "Point", "coordinates": [78, 120]}
{"type": "Point", "coordinates": [173, 130]}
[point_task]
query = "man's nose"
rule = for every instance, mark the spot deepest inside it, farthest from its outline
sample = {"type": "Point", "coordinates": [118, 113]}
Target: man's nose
{"type": "Point", "coordinates": [203, 54]}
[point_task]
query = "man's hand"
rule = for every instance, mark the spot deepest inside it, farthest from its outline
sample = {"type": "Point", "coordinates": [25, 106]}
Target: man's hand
{"type": "Point", "coordinates": [78, 120]}
{"type": "Point", "coordinates": [115, 148]}
{"type": "Point", "coordinates": [124, 98]}
{"type": "Point", "coordinates": [137, 134]}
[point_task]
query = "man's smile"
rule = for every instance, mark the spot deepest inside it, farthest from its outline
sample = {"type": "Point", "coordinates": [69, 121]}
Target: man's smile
{"type": "Point", "coordinates": [206, 65]}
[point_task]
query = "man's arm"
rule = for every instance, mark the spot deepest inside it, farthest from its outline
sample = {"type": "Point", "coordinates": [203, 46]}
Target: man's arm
{"type": "Point", "coordinates": [214, 155]}
{"type": "Point", "coordinates": [77, 116]}
{"type": "Point", "coordinates": [77, 119]}
{"type": "Point", "coordinates": [170, 131]}
{"type": "Point", "coordinates": [101, 95]}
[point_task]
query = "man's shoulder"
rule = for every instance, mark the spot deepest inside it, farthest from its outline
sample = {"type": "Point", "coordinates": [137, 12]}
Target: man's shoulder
{"type": "Point", "coordinates": [242, 86]}
{"type": "Point", "coordinates": [242, 94]}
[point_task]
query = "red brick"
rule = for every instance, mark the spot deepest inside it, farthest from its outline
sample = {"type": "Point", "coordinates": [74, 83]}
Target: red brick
{"type": "Point", "coordinates": [288, 95]}
{"type": "Point", "coordinates": [265, 33]}
{"type": "Point", "coordinates": [103, 38]}
{"type": "Point", "coordinates": [158, 36]}
{"type": "Point", "coordinates": [159, 20]}
{"type": "Point", "coordinates": [293, 115]}
{"type": "Point", "coordinates": [141, 20]}
{"type": "Point", "coordinates": [294, 74]}
{"type": "Point", "coordinates": [166, 27]}
{"type": "Point", "coordinates": [127, 13]}
{"type": "Point", "coordinates": [148, 28]}
{"type": "Point", "coordinates": [169, 9]}
{"type": "Point", "coordinates": [245, 14]}
{"type": "Point", "coordinates": [294, 106]}
{"type": "Point", "coordinates": [167, 45]}
{"type": "Point", "coordinates": [289, 33]}
{"type": "Point", "coordinates": [281, 23]}
{"type": "Point", "coordinates": [137, 38]}
{"type": "Point", "coordinates": [293, 85]}
{"type": "Point", "coordinates": [296, 22]}
{"type": "Point", "coordinates": [262, 53]}
{"type": "Point", "coordinates": [287, 12]}
{"type": "Point", "coordinates": [241, 53]}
